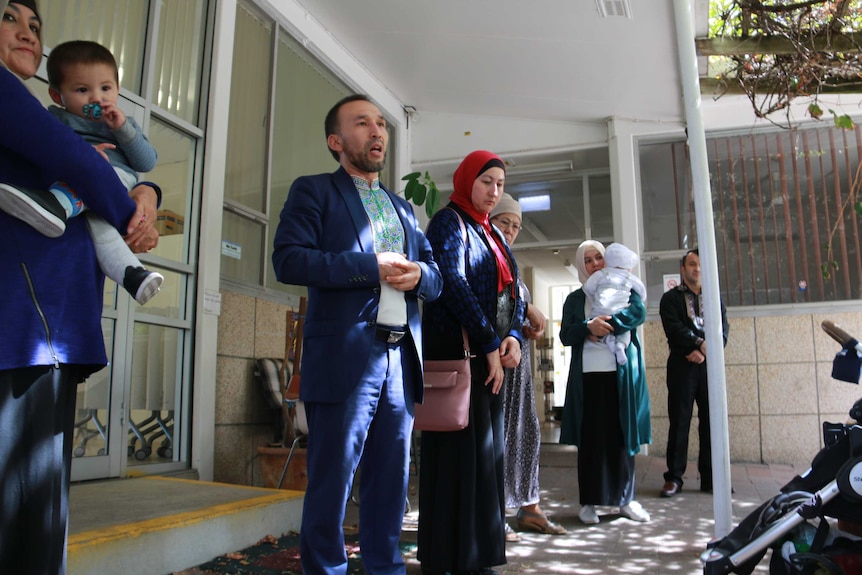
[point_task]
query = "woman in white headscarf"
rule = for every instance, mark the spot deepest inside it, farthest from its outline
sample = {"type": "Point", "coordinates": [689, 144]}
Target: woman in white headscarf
{"type": "Point", "coordinates": [607, 412]}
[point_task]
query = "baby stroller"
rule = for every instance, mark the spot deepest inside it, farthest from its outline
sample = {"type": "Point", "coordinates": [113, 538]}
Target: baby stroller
{"type": "Point", "coordinates": [794, 523]}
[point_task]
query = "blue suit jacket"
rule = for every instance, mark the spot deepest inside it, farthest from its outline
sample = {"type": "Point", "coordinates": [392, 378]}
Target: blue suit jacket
{"type": "Point", "coordinates": [324, 241]}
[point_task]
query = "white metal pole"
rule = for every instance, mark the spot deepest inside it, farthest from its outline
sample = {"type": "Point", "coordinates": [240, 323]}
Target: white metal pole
{"type": "Point", "coordinates": [722, 507]}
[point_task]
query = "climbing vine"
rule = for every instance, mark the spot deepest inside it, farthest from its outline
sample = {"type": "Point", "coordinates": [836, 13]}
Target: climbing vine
{"type": "Point", "coordinates": [776, 52]}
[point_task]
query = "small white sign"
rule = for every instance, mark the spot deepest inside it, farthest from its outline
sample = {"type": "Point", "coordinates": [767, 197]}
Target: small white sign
{"type": "Point", "coordinates": [212, 302]}
{"type": "Point", "coordinates": [670, 281]}
{"type": "Point", "coordinates": [231, 250]}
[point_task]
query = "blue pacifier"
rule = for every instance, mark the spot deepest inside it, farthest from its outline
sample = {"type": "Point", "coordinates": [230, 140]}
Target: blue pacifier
{"type": "Point", "coordinates": [92, 111]}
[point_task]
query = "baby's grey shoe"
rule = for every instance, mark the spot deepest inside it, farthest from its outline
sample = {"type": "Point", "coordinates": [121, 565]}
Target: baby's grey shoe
{"type": "Point", "coordinates": [37, 208]}
{"type": "Point", "coordinates": [142, 283]}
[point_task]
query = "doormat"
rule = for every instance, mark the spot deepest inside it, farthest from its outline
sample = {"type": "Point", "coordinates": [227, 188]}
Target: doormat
{"type": "Point", "coordinates": [280, 556]}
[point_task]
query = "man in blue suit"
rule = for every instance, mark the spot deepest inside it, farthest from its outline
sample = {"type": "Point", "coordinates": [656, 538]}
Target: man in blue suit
{"type": "Point", "coordinates": [360, 251]}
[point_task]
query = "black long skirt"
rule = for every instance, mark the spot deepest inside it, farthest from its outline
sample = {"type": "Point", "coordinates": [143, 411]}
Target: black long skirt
{"type": "Point", "coordinates": [606, 471]}
{"type": "Point", "coordinates": [461, 493]}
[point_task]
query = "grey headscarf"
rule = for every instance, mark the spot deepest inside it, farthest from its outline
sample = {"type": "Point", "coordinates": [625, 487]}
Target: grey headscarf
{"type": "Point", "coordinates": [587, 245]}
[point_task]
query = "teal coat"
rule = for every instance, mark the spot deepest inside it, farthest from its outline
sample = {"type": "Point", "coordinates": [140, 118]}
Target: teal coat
{"type": "Point", "coordinates": [631, 377]}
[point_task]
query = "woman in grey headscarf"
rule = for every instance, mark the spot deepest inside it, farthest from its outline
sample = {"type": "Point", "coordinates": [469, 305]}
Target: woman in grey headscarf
{"type": "Point", "coordinates": [521, 424]}
{"type": "Point", "coordinates": [607, 413]}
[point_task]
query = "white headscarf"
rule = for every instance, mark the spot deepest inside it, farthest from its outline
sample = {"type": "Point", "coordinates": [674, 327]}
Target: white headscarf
{"type": "Point", "coordinates": [586, 246]}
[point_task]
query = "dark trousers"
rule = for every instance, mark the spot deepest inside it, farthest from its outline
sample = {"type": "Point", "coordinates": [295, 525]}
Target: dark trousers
{"type": "Point", "coordinates": [686, 385]}
{"type": "Point", "coordinates": [37, 414]}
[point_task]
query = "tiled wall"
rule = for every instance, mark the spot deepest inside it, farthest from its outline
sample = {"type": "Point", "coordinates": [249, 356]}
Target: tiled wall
{"type": "Point", "coordinates": [249, 328]}
{"type": "Point", "coordinates": [779, 387]}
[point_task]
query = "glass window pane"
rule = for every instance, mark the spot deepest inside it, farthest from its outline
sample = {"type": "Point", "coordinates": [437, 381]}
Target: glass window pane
{"type": "Point", "coordinates": [242, 249]}
{"type": "Point", "coordinates": [174, 174]}
{"type": "Point", "coordinates": [119, 25]}
{"type": "Point", "coordinates": [304, 94]}
{"type": "Point", "coordinates": [247, 124]}
{"type": "Point", "coordinates": [785, 232]}
{"type": "Point", "coordinates": [156, 379]}
{"type": "Point", "coordinates": [666, 196]}
{"type": "Point", "coordinates": [563, 221]}
{"type": "Point", "coordinates": [92, 419]}
{"type": "Point", "coordinates": [179, 57]}
{"type": "Point", "coordinates": [601, 207]}
{"type": "Point", "coordinates": [656, 270]}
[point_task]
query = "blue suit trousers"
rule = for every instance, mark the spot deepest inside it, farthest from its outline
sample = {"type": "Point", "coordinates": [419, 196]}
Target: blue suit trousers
{"type": "Point", "coordinates": [373, 426]}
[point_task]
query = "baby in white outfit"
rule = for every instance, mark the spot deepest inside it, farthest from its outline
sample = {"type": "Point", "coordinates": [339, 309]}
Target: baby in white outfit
{"type": "Point", "coordinates": [610, 289]}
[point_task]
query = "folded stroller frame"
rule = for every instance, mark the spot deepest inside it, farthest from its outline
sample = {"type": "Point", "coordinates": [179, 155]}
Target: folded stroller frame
{"type": "Point", "coordinates": [744, 560]}
{"type": "Point", "coordinates": [832, 487]}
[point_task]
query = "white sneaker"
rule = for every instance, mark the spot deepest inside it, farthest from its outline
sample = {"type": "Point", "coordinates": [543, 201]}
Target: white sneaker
{"type": "Point", "coordinates": [588, 515]}
{"type": "Point", "coordinates": [634, 511]}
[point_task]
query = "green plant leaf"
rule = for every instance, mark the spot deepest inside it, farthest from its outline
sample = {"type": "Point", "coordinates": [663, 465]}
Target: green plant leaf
{"type": "Point", "coordinates": [845, 122]}
{"type": "Point", "coordinates": [410, 190]}
{"type": "Point", "coordinates": [433, 200]}
{"type": "Point", "coordinates": [858, 207]}
{"type": "Point", "coordinates": [421, 189]}
{"type": "Point", "coordinates": [815, 111]}
{"type": "Point", "coordinates": [419, 194]}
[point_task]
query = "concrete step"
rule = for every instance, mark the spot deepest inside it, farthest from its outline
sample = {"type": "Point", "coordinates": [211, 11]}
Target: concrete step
{"type": "Point", "coordinates": [158, 525]}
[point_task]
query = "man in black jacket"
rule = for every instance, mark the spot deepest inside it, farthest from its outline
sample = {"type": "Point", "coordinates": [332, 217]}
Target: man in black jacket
{"type": "Point", "coordinates": [681, 311]}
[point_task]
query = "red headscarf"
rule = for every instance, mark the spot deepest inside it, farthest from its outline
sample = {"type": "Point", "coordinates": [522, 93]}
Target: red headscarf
{"type": "Point", "coordinates": [474, 165]}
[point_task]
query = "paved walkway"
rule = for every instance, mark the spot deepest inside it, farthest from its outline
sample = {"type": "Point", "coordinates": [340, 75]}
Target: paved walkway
{"type": "Point", "coordinates": [670, 543]}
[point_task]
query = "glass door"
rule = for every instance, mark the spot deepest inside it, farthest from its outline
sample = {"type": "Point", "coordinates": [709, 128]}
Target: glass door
{"type": "Point", "coordinates": [134, 412]}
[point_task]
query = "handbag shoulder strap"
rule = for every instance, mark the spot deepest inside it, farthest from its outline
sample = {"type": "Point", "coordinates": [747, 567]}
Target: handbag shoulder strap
{"type": "Point", "coordinates": [463, 227]}
{"type": "Point", "coordinates": [466, 263]}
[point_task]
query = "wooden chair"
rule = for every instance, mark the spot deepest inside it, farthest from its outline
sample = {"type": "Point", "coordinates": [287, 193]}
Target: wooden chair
{"type": "Point", "coordinates": [296, 424]}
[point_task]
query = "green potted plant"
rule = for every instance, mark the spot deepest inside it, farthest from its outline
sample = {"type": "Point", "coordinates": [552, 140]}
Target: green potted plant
{"type": "Point", "coordinates": [421, 189]}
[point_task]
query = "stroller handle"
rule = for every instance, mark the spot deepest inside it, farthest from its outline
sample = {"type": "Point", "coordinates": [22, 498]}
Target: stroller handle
{"type": "Point", "coordinates": [835, 332]}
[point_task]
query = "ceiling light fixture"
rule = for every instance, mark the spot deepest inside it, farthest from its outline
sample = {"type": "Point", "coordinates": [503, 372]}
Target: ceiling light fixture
{"type": "Point", "coordinates": [540, 169]}
{"type": "Point", "coordinates": [609, 8]}
{"type": "Point", "coordinates": [539, 203]}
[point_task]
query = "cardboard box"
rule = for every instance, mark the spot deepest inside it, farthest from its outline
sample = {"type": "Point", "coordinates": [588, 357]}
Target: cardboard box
{"type": "Point", "coordinates": [169, 223]}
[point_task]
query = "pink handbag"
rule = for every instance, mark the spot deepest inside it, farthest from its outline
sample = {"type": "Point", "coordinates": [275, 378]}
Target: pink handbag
{"type": "Point", "coordinates": [446, 406]}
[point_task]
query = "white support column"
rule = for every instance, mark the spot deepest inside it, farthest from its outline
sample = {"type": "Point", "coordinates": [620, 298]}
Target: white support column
{"type": "Point", "coordinates": [622, 149]}
{"type": "Point", "coordinates": [722, 505]}
{"type": "Point", "coordinates": [623, 140]}
{"type": "Point", "coordinates": [209, 266]}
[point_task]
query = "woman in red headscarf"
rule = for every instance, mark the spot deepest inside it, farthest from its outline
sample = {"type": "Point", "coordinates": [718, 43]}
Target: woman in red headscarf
{"type": "Point", "coordinates": [461, 490]}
